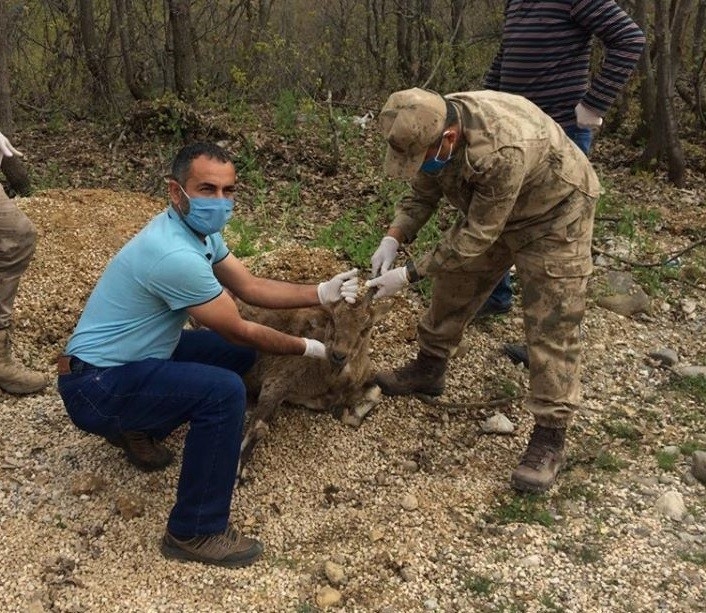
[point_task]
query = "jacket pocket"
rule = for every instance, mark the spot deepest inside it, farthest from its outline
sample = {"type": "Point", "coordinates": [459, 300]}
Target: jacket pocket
{"type": "Point", "coordinates": [568, 267]}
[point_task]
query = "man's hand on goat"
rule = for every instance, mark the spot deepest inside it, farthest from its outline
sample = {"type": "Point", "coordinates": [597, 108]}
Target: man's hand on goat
{"type": "Point", "coordinates": [384, 256]}
{"type": "Point", "coordinates": [343, 286]}
{"type": "Point", "coordinates": [390, 282]}
{"type": "Point", "coordinates": [314, 349]}
{"type": "Point", "coordinates": [6, 148]}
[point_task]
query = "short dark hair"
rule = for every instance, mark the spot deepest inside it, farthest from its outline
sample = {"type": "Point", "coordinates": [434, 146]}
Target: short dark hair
{"type": "Point", "coordinates": [182, 161]}
{"type": "Point", "coordinates": [451, 115]}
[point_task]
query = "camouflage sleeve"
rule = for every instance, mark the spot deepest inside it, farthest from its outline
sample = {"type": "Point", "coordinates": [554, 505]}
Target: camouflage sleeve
{"type": "Point", "coordinates": [497, 179]}
{"type": "Point", "coordinates": [414, 210]}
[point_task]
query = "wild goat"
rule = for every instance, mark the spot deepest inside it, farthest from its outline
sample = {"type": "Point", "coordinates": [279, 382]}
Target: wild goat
{"type": "Point", "coordinates": [343, 384]}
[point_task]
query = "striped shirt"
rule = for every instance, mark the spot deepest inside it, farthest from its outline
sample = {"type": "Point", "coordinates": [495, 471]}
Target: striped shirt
{"type": "Point", "coordinates": [546, 50]}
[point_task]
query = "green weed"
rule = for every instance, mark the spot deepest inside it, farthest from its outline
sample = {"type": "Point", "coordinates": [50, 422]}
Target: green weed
{"type": "Point", "coordinates": [693, 387]}
{"type": "Point", "coordinates": [526, 509]}
{"type": "Point", "coordinates": [624, 430]}
{"type": "Point", "coordinates": [285, 113]}
{"type": "Point", "coordinates": [695, 557]}
{"type": "Point", "coordinates": [608, 462]}
{"type": "Point", "coordinates": [241, 237]}
{"type": "Point", "coordinates": [666, 461]}
{"type": "Point", "coordinates": [478, 584]}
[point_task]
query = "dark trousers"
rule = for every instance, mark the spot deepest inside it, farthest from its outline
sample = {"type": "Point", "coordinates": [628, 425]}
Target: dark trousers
{"type": "Point", "coordinates": [201, 384]}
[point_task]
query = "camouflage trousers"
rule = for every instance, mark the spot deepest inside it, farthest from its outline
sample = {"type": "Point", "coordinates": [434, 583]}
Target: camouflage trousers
{"type": "Point", "coordinates": [17, 240]}
{"type": "Point", "coordinates": [553, 263]}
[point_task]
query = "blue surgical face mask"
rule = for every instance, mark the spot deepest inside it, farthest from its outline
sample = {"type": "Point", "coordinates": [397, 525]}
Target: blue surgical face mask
{"type": "Point", "coordinates": [434, 166]}
{"type": "Point", "coordinates": [207, 215]}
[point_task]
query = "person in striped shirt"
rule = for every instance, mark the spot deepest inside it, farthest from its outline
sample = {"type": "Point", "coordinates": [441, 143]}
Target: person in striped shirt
{"type": "Point", "coordinates": [545, 55]}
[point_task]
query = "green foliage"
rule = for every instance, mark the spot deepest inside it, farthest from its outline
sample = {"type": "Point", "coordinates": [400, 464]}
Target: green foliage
{"type": "Point", "coordinates": [526, 509]}
{"type": "Point", "coordinates": [478, 584]}
{"type": "Point", "coordinates": [688, 447]}
{"type": "Point", "coordinates": [285, 113]}
{"type": "Point", "coordinates": [622, 429]}
{"type": "Point", "coordinates": [609, 462]}
{"type": "Point", "coordinates": [357, 234]}
{"type": "Point", "coordinates": [241, 237]}
{"type": "Point", "coordinates": [694, 387]}
{"type": "Point", "coordinates": [666, 461]}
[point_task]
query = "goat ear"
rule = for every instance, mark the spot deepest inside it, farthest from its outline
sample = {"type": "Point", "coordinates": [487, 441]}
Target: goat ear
{"type": "Point", "coordinates": [368, 296]}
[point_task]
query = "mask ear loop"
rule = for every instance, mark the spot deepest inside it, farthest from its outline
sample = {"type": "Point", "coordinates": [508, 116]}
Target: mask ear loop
{"type": "Point", "coordinates": [441, 144]}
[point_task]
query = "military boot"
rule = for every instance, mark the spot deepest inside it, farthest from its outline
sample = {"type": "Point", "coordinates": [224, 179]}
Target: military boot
{"type": "Point", "coordinates": [15, 378]}
{"type": "Point", "coordinates": [541, 462]}
{"type": "Point", "coordinates": [425, 374]}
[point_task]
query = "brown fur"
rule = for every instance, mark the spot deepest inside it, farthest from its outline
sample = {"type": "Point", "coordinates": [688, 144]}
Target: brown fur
{"type": "Point", "coordinates": [343, 384]}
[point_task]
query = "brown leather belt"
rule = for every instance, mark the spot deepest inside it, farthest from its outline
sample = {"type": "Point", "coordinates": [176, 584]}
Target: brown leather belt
{"type": "Point", "coordinates": [70, 364]}
{"type": "Point", "coordinates": [63, 364]}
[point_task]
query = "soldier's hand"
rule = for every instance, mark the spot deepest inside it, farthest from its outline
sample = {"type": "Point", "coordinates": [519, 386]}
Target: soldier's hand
{"type": "Point", "coordinates": [390, 282]}
{"type": "Point", "coordinates": [384, 256]}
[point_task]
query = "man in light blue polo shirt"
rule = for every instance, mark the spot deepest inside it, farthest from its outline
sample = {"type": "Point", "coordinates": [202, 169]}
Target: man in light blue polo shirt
{"type": "Point", "coordinates": [132, 374]}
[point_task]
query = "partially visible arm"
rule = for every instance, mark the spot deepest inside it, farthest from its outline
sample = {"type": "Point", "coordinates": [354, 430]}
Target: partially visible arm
{"type": "Point", "coordinates": [258, 291]}
{"type": "Point", "coordinates": [222, 316]}
{"type": "Point", "coordinates": [623, 42]}
{"type": "Point", "coordinates": [414, 210]}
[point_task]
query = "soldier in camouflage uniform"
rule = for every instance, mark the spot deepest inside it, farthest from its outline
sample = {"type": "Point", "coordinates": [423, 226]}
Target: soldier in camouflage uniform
{"type": "Point", "coordinates": [526, 196]}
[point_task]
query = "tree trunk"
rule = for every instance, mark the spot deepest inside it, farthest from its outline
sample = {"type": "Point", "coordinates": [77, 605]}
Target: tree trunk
{"type": "Point", "coordinates": [664, 138]}
{"type": "Point", "coordinates": [95, 60]}
{"type": "Point", "coordinates": [136, 85]}
{"type": "Point", "coordinates": [699, 62]}
{"type": "Point", "coordinates": [404, 40]}
{"type": "Point", "coordinates": [458, 8]}
{"type": "Point", "coordinates": [426, 40]}
{"type": "Point", "coordinates": [184, 60]}
{"type": "Point", "coordinates": [648, 87]}
{"type": "Point", "coordinates": [376, 39]}
{"type": "Point", "coordinates": [13, 168]}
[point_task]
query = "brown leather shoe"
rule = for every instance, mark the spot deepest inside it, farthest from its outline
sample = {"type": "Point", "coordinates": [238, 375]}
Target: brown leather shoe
{"type": "Point", "coordinates": [229, 548]}
{"type": "Point", "coordinates": [142, 450]}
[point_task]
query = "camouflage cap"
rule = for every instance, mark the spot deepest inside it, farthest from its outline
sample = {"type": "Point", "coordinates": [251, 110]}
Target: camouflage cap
{"type": "Point", "coordinates": [411, 121]}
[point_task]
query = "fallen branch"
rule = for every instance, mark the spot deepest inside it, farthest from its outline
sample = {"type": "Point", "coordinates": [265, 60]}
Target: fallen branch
{"type": "Point", "coordinates": [649, 264]}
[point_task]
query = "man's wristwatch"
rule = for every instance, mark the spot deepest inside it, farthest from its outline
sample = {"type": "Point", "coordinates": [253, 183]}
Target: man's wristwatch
{"type": "Point", "coordinates": [412, 273]}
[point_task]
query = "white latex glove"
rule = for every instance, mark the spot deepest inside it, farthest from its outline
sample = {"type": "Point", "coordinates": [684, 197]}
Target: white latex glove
{"type": "Point", "coordinates": [314, 349]}
{"type": "Point", "coordinates": [586, 118]}
{"type": "Point", "coordinates": [390, 282]}
{"type": "Point", "coordinates": [384, 257]}
{"type": "Point", "coordinates": [343, 285]}
{"type": "Point", "coordinates": [6, 148]}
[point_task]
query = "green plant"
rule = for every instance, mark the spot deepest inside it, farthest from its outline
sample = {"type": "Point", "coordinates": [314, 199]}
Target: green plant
{"type": "Point", "coordinates": [694, 387]}
{"type": "Point", "coordinates": [608, 462]}
{"type": "Point", "coordinates": [285, 114]}
{"type": "Point", "coordinates": [356, 233]}
{"type": "Point", "coordinates": [666, 461]}
{"type": "Point", "coordinates": [240, 237]}
{"type": "Point", "coordinates": [624, 430]}
{"type": "Point", "coordinates": [478, 584]}
{"type": "Point", "coordinates": [695, 557]}
{"type": "Point", "coordinates": [526, 509]}
{"type": "Point", "coordinates": [688, 447]}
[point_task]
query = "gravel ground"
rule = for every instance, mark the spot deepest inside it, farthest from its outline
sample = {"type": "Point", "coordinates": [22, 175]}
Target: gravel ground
{"type": "Point", "coordinates": [410, 512]}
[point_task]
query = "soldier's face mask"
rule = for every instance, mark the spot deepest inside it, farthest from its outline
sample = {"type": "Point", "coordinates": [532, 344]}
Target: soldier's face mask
{"type": "Point", "coordinates": [433, 166]}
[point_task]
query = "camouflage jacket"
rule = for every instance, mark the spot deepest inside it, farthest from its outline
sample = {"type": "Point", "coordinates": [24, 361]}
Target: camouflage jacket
{"type": "Point", "coordinates": [511, 177]}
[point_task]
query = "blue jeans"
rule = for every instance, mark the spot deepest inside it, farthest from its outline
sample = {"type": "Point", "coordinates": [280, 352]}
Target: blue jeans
{"type": "Point", "coordinates": [502, 294]}
{"type": "Point", "coordinates": [201, 384]}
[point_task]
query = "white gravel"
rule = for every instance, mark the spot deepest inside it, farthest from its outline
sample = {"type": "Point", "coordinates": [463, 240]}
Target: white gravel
{"type": "Point", "coordinates": [413, 508]}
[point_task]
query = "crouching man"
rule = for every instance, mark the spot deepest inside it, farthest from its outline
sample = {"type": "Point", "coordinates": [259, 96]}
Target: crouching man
{"type": "Point", "coordinates": [132, 374]}
{"type": "Point", "coordinates": [526, 196]}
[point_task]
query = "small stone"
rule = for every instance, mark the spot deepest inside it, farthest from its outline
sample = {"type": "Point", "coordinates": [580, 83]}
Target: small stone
{"type": "Point", "coordinates": [533, 561]}
{"type": "Point", "coordinates": [431, 604]}
{"type": "Point", "coordinates": [327, 597]}
{"type": "Point", "coordinates": [410, 466]}
{"type": "Point", "coordinates": [671, 505]}
{"type": "Point", "coordinates": [664, 355]}
{"type": "Point", "coordinates": [129, 507]}
{"type": "Point", "coordinates": [498, 424]}
{"type": "Point", "coordinates": [376, 535]}
{"type": "Point", "coordinates": [334, 573]}
{"type": "Point", "coordinates": [690, 371]}
{"type": "Point", "coordinates": [87, 483]}
{"type": "Point", "coordinates": [409, 502]}
{"type": "Point", "coordinates": [698, 466]}
{"type": "Point", "coordinates": [671, 450]}
{"type": "Point", "coordinates": [408, 574]}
